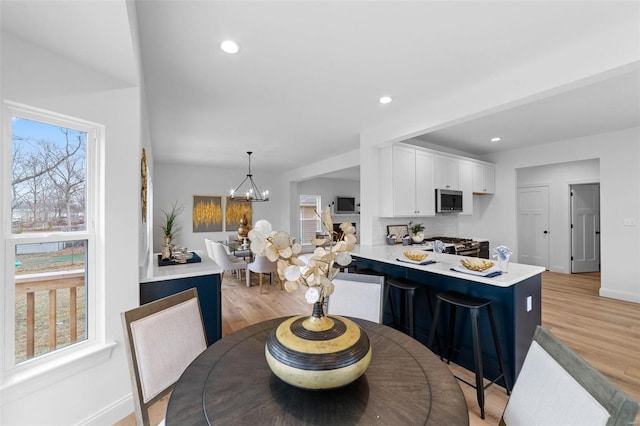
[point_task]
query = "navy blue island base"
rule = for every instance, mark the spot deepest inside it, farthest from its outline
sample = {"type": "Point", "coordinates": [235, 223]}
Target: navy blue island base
{"type": "Point", "coordinates": [516, 309]}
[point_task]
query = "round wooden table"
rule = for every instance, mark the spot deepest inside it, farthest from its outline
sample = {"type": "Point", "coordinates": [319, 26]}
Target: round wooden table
{"type": "Point", "coordinates": [231, 384]}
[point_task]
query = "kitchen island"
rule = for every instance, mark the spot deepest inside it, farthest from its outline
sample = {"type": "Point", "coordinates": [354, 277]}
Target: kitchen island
{"type": "Point", "coordinates": [157, 282]}
{"type": "Point", "coordinates": [515, 297]}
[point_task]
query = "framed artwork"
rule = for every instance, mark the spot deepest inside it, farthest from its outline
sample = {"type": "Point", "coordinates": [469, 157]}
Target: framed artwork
{"type": "Point", "coordinates": [207, 213]}
{"type": "Point", "coordinates": [234, 211]}
{"type": "Point", "coordinates": [399, 231]}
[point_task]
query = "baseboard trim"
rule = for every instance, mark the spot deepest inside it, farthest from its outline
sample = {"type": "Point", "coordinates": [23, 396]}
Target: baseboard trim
{"type": "Point", "coordinates": [620, 295]}
{"type": "Point", "coordinates": [112, 413]}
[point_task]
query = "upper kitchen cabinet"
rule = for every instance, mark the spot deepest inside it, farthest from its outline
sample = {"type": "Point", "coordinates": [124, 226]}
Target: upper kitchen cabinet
{"type": "Point", "coordinates": [446, 172]}
{"type": "Point", "coordinates": [406, 182]}
{"type": "Point", "coordinates": [465, 176]}
{"type": "Point", "coordinates": [484, 178]}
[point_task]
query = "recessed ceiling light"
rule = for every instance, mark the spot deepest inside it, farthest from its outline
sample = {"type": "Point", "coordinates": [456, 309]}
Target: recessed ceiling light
{"type": "Point", "coordinates": [496, 139]}
{"type": "Point", "coordinates": [229, 46]}
{"type": "Point", "coordinates": [385, 99]}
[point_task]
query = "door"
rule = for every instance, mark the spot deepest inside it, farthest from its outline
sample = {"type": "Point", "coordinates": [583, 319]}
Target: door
{"type": "Point", "coordinates": [585, 228]}
{"type": "Point", "coordinates": [533, 226]}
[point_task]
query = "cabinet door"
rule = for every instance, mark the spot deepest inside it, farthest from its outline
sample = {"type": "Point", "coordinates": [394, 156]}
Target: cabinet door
{"type": "Point", "coordinates": [446, 172]}
{"type": "Point", "coordinates": [465, 169]}
{"type": "Point", "coordinates": [425, 194]}
{"type": "Point", "coordinates": [489, 179]}
{"type": "Point", "coordinates": [404, 181]}
{"type": "Point", "coordinates": [483, 179]}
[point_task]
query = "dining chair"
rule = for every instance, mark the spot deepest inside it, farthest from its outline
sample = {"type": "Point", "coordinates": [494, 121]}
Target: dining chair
{"type": "Point", "coordinates": [357, 295]}
{"type": "Point", "coordinates": [557, 387]}
{"type": "Point", "coordinates": [261, 265]}
{"type": "Point", "coordinates": [224, 260]}
{"type": "Point", "coordinates": [161, 339]}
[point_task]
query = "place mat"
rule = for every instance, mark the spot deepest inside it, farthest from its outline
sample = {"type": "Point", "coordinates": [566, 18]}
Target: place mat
{"type": "Point", "coordinates": [494, 271]}
{"type": "Point", "coordinates": [415, 262]}
{"type": "Point", "coordinates": [167, 262]}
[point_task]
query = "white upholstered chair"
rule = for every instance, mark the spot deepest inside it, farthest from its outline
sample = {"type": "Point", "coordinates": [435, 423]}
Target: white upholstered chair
{"type": "Point", "coordinates": [557, 387]}
{"type": "Point", "coordinates": [357, 295]}
{"type": "Point", "coordinates": [161, 340]}
{"type": "Point", "coordinates": [261, 265]}
{"type": "Point", "coordinates": [219, 255]}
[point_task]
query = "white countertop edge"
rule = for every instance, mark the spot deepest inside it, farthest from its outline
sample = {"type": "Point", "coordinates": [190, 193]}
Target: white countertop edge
{"type": "Point", "coordinates": [172, 272]}
{"type": "Point", "coordinates": [388, 254]}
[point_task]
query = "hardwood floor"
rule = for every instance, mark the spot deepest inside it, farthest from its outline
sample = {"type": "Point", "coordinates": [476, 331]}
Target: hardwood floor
{"type": "Point", "coordinates": [605, 332]}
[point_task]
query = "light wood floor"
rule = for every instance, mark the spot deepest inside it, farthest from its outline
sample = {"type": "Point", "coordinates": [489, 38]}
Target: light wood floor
{"type": "Point", "coordinates": [605, 332]}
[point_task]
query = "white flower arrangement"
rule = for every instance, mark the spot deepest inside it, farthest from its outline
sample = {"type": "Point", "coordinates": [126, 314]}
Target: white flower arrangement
{"type": "Point", "coordinates": [318, 274]}
{"type": "Point", "coordinates": [503, 253]}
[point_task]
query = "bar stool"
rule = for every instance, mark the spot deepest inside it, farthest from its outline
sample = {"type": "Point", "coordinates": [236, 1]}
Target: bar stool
{"type": "Point", "coordinates": [408, 289]}
{"type": "Point", "coordinates": [474, 304]}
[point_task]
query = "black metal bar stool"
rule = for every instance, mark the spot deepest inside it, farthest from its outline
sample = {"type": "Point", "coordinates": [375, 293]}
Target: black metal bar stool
{"type": "Point", "coordinates": [474, 304]}
{"type": "Point", "coordinates": [408, 288]}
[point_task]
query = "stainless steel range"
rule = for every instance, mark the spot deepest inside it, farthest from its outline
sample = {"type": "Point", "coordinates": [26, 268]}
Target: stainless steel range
{"type": "Point", "coordinates": [461, 246]}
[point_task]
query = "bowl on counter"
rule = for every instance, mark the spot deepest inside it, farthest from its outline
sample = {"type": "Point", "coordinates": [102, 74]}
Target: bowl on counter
{"type": "Point", "coordinates": [418, 238]}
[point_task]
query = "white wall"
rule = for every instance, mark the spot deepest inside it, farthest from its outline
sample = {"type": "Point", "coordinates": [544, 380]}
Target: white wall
{"type": "Point", "coordinates": [288, 183]}
{"type": "Point", "coordinates": [179, 183]}
{"type": "Point", "coordinates": [32, 76]}
{"type": "Point", "coordinates": [619, 158]}
{"type": "Point", "coordinates": [329, 189]}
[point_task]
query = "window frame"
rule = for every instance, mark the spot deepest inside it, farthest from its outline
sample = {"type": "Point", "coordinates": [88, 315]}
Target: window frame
{"type": "Point", "coordinates": [94, 346]}
{"type": "Point", "coordinates": [301, 220]}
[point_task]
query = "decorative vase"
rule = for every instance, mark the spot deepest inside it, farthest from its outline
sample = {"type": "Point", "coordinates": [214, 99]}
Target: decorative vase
{"type": "Point", "coordinates": [318, 352]}
{"type": "Point", "coordinates": [166, 248]}
{"type": "Point", "coordinates": [504, 265]}
{"type": "Point", "coordinates": [243, 228]}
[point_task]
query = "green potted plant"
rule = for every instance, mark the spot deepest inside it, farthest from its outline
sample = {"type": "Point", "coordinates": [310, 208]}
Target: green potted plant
{"type": "Point", "coordinates": [416, 230]}
{"type": "Point", "coordinates": [169, 225]}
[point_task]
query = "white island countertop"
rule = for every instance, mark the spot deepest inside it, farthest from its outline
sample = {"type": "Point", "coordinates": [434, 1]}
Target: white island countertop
{"type": "Point", "coordinates": [172, 272]}
{"type": "Point", "coordinates": [388, 254]}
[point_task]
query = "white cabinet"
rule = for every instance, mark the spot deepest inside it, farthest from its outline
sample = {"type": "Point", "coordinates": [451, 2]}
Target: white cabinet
{"type": "Point", "coordinates": [484, 178]}
{"type": "Point", "coordinates": [409, 175]}
{"type": "Point", "coordinates": [446, 172]}
{"type": "Point", "coordinates": [406, 182]}
{"type": "Point", "coordinates": [425, 193]}
{"type": "Point", "coordinates": [465, 177]}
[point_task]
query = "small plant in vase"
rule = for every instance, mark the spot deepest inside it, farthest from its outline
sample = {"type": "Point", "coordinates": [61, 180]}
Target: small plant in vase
{"type": "Point", "coordinates": [416, 230]}
{"type": "Point", "coordinates": [170, 227]}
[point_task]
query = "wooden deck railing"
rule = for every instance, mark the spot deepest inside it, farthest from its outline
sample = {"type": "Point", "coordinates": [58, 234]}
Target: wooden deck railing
{"type": "Point", "coordinates": [50, 282]}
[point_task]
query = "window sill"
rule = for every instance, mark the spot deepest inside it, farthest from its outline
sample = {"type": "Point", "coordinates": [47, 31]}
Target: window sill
{"type": "Point", "coordinates": [32, 378]}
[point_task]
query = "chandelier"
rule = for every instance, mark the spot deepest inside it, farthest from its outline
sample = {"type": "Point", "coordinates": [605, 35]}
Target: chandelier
{"type": "Point", "coordinates": [251, 192]}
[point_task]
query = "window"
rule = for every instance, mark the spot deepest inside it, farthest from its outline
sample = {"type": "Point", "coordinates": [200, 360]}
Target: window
{"type": "Point", "coordinates": [52, 195]}
{"type": "Point", "coordinates": [309, 220]}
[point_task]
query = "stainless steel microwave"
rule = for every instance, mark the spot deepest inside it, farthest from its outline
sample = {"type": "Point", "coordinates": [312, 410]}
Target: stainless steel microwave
{"type": "Point", "coordinates": [448, 201]}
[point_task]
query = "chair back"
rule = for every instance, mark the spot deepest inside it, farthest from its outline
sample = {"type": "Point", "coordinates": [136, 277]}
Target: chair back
{"type": "Point", "coordinates": [557, 387]}
{"type": "Point", "coordinates": [261, 264]}
{"type": "Point", "coordinates": [357, 295]}
{"type": "Point", "coordinates": [161, 338]}
{"type": "Point", "coordinates": [209, 247]}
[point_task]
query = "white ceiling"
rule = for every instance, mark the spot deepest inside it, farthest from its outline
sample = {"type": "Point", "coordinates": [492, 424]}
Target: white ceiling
{"type": "Point", "coordinates": [307, 79]}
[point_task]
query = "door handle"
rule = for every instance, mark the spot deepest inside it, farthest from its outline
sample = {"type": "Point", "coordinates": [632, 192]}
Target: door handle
{"type": "Point", "coordinates": [597, 232]}
{"type": "Point", "coordinates": [546, 232]}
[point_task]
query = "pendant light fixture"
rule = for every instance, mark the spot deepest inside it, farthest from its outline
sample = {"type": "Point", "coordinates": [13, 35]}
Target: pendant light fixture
{"type": "Point", "coordinates": [250, 192]}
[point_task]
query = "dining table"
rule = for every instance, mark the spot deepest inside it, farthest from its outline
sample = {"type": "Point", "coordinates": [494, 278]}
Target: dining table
{"type": "Point", "coordinates": [238, 248]}
{"type": "Point", "coordinates": [230, 383]}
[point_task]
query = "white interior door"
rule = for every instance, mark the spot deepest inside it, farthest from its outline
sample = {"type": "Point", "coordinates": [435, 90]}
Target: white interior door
{"type": "Point", "coordinates": [585, 228]}
{"type": "Point", "coordinates": [533, 226]}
